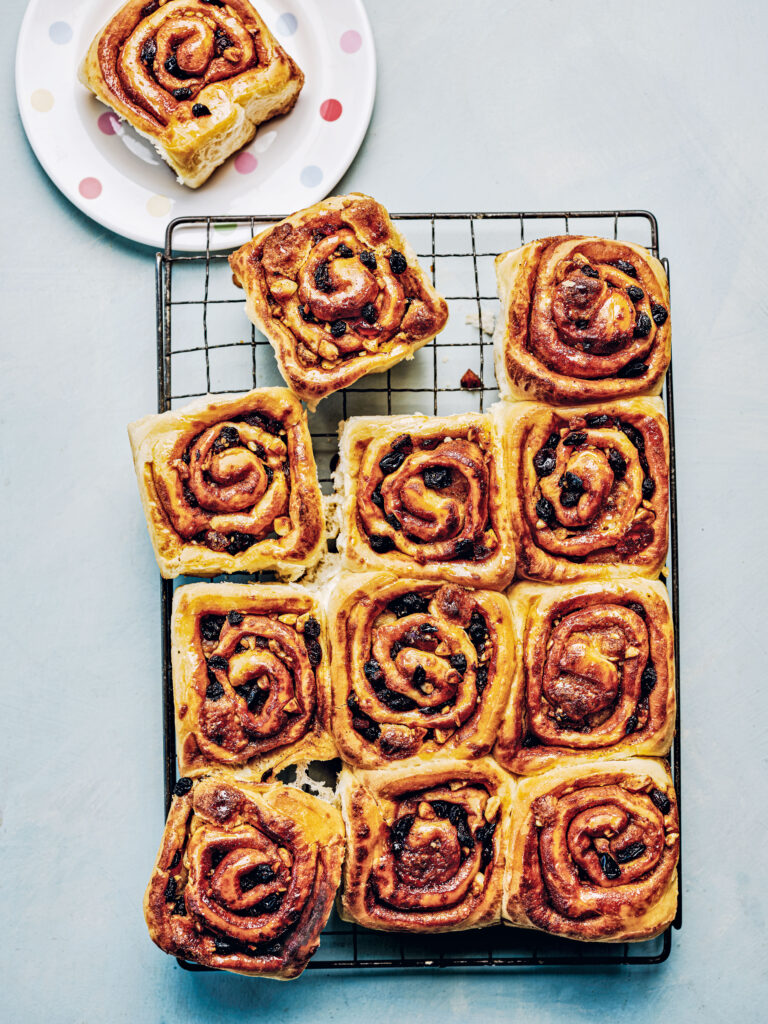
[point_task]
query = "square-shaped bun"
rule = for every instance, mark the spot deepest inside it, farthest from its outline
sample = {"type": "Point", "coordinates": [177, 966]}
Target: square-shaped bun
{"type": "Point", "coordinates": [588, 488]}
{"type": "Point", "coordinates": [423, 496]}
{"type": "Point", "coordinates": [230, 485]}
{"type": "Point", "coordinates": [582, 319]}
{"type": "Point", "coordinates": [339, 293]}
{"type": "Point", "coordinates": [250, 667]}
{"type": "Point", "coordinates": [594, 850]}
{"type": "Point", "coordinates": [598, 675]}
{"type": "Point", "coordinates": [193, 77]}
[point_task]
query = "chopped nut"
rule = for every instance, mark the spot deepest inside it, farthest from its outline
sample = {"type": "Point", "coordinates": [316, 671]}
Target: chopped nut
{"type": "Point", "coordinates": [328, 350]}
{"type": "Point", "coordinates": [425, 810]}
{"type": "Point", "coordinates": [671, 838]}
{"type": "Point", "coordinates": [442, 735]}
{"type": "Point", "coordinates": [291, 706]}
{"type": "Point", "coordinates": [453, 786]}
{"type": "Point", "coordinates": [289, 620]}
{"type": "Point", "coordinates": [631, 652]}
{"type": "Point", "coordinates": [427, 688]}
{"type": "Point", "coordinates": [540, 524]}
{"type": "Point", "coordinates": [492, 808]}
{"type": "Point", "coordinates": [306, 356]}
{"type": "Point", "coordinates": [478, 881]}
{"type": "Point", "coordinates": [282, 526]}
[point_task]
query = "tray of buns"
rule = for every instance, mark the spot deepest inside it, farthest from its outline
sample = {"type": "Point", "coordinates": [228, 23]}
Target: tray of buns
{"type": "Point", "coordinates": [442, 729]}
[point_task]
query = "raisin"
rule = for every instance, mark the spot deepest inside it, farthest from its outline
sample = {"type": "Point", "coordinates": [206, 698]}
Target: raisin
{"type": "Point", "coordinates": [307, 315]}
{"type": "Point", "coordinates": [322, 280]}
{"type": "Point", "coordinates": [181, 94]}
{"type": "Point", "coordinates": [312, 628]}
{"type": "Point", "coordinates": [609, 866]}
{"type": "Point", "coordinates": [217, 857]}
{"type": "Point", "coordinates": [635, 293]}
{"type": "Point", "coordinates": [634, 436]}
{"type": "Point", "coordinates": [223, 42]}
{"type": "Point", "coordinates": [437, 478]}
{"type": "Point", "coordinates": [149, 52]}
{"type": "Point", "coordinates": [626, 268]}
{"type": "Point", "coordinates": [484, 835]}
{"type": "Point", "coordinates": [210, 627]}
{"type": "Point", "coordinates": [224, 946]}
{"type": "Point", "coordinates": [395, 649]}
{"type": "Point", "coordinates": [631, 543]}
{"type": "Point", "coordinates": [553, 440]}
{"type": "Point", "coordinates": [344, 252]}
{"type": "Point", "coordinates": [589, 271]}
{"type": "Point", "coordinates": [264, 422]}
{"type": "Point", "coordinates": [268, 905]}
{"type": "Point", "coordinates": [229, 437]}
{"type": "Point", "coordinates": [419, 677]}
{"type": "Point", "coordinates": [235, 618]}
{"type": "Point", "coordinates": [170, 891]}
{"type": "Point", "coordinates": [255, 698]}
{"type": "Point", "coordinates": [368, 259]}
{"type": "Point", "coordinates": [569, 499]}
{"type": "Point", "coordinates": [631, 725]}
{"type": "Point", "coordinates": [172, 67]}
{"type": "Point", "coordinates": [659, 314]}
{"type": "Point", "coordinates": [393, 521]}
{"type": "Point", "coordinates": [397, 262]}
{"type": "Point", "coordinates": [381, 545]}
{"type": "Point", "coordinates": [391, 462]}
{"type": "Point", "coordinates": [373, 672]}
{"type": "Point", "coordinates": [214, 690]}
{"type": "Point", "coordinates": [200, 110]}
{"type": "Point", "coordinates": [477, 629]}
{"type": "Point", "coordinates": [573, 439]}
{"type": "Point", "coordinates": [582, 324]}
{"type": "Point", "coordinates": [314, 651]}
{"type": "Point", "coordinates": [529, 740]}
{"type": "Point", "coordinates": [408, 604]}
{"type": "Point", "coordinates": [617, 463]}
{"type": "Point", "coordinates": [367, 728]}
{"type": "Point", "coordinates": [368, 313]}
{"type": "Point", "coordinates": [661, 800]}
{"type": "Point", "coordinates": [176, 859]}
{"type": "Point", "coordinates": [376, 497]}
{"type": "Point", "coordinates": [572, 482]}
{"type": "Point", "coordinates": [598, 420]}
{"type": "Point", "coordinates": [464, 548]}
{"type": "Point", "coordinates": [459, 662]}
{"type": "Point", "coordinates": [217, 662]}
{"type": "Point", "coordinates": [470, 381]}
{"type": "Point", "coordinates": [631, 852]}
{"type": "Point", "coordinates": [179, 908]}
{"type": "Point", "coordinates": [260, 875]}
{"type": "Point", "coordinates": [398, 833]}
{"type": "Point", "coordinates": [544, 462]}
{"type": "Point", "coordinates": [338, 328]}
{"type": "Point", "coordinates": [481, 678]}
{"type": "Point", "coordinates": [649, 487]}
{"type": "Point", "coordinates": [403, 443]}
{"type": "Point", "coordinates": [182, 787]}
{"type": "Point", "coordinates": [648, 679]}
{"type": "Point", "coordinates": [642, 326]}
{"type": "Point", "coordinates": [239, 542]}
{"type": "Point", "coordinates": [150, 8]}
{"type": "Point", "coordinates": [545, 510]}
{"type": "Point", "coordinates": [396, 701]}
{"type": "Point", "coordinates": [186, 457]}
{"type": "Point", "coordinates": [637, 608]}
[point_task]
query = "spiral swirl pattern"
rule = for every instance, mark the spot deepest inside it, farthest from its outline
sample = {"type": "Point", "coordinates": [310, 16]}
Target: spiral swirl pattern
{"type": "Point", "coordinates": [596, 852]}
{"type": "Point", "coordinates": [591, 488]}
{"type": "Point", "coordinates": [598, 676]}
{"type": "Point", "coordinates": [418, 669]}
{"type": "Point", "coordinates": [583, 319]}
{"type": "Point", "coordinates": [426, 850]}
{"type": "Point", "coordinates": [338, 293]}
{"type": "Point", "coordinates": [245, 876]}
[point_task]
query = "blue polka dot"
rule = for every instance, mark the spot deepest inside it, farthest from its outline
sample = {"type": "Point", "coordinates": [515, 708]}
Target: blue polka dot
{"type": "Point", "coordinates": [60, 32]}
{"type": "Point", "coordinates": [287, 24]}
{"type": "Point", "coordinates": [311, 176]}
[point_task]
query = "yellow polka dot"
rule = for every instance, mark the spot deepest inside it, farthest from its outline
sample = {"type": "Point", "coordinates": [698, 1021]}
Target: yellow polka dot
{"type": "Point", "coordinates": [158, 206]}
{"type": "Point", "coordinates": [42, 100]}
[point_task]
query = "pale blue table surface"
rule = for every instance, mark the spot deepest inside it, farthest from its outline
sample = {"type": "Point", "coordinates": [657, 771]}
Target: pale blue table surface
{"type": "Point", "coordinates": [486, 105]}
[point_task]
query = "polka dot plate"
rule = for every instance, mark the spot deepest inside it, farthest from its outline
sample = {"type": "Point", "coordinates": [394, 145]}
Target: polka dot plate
{"type": "Point", "coordinates": [116, 177]}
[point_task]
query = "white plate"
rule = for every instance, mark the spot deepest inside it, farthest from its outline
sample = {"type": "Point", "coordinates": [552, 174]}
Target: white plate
{"type": "Point", "coordinates": [115, 176]}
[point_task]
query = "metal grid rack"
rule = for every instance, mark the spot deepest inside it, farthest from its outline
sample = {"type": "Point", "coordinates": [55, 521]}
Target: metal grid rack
{"type": "Point", "coordinates": [206, 345]}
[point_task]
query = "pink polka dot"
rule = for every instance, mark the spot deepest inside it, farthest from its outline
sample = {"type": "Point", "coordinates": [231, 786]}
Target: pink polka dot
{"type": "Point", "coordinates": [351, 41]}
{"type": "Point", "coordinates": [90, 188]}
{"type": "Point", "coordinates": [246, 163]}
{"type": "Point", "coordinates": [330, 110]}
{"type": "Point", "coordinates": [108, 123]}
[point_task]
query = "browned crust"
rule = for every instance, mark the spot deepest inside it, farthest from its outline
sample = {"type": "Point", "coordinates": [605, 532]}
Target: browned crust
{"type": "Point", "coordinates": [535, 611]}
{"type": "Point", "coordinates": [154, 440]}
{"type": "Point", "coordinates": [202, 724]}
{"type": "Point", "coordinates": [495, 569]}
{"type": "Point", "coordinates": [281, 250]}
{"type": "Point", "coordinates": [525, 290]}
{"type": "Point", "coordinates": [633, 912]}
{"type": "Point", "coordinates": [370, 798]}
{"type": "Point", "coordinates": [524, 427]}
{"type": "Point", "coordinates": [355, 602]}
{"type": "Point", "coordinates": [310, 829]}
{"type": "Point", "coordinates": [268, 86]}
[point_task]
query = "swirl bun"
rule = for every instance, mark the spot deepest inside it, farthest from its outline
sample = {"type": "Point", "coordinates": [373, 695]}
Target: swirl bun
{"type": "Point", "coordinates": [230, 485]}
{"type": "Point", "coordinates": [339, 293]}
{"type": "Point", "coordinates": [588, 488]}
{"type": "Point", "coordinates": [245, 877]}
{"type": "Point", "coordinates": [249, 671]}
{"type": "Point", "coordinates": [193, 76]}
{"type": "Point", "coordinates": [425, 846]}
{"type": "Point", "coordinates": [420, 669]}
{"type": "Point", "coordinates": [594, 852]}
{"type": "Point", "coordinates": [582, 320]}
{"type": "Point", "coordinates": [597, 677]}
{"type": "Point", "coordinates": [422, 497]}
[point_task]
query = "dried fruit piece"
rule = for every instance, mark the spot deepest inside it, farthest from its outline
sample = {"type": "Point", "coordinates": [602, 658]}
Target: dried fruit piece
{"type": "Point", "coordinates": [470, 381]}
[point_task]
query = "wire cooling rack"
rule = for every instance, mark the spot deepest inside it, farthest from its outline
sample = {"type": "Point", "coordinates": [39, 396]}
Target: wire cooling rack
{"type": "Point", "coordinates": [205, 344]}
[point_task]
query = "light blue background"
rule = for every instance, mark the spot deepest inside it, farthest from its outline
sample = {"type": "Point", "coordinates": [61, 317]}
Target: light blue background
{"type": "Point", "coordinates": [548, 104]}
